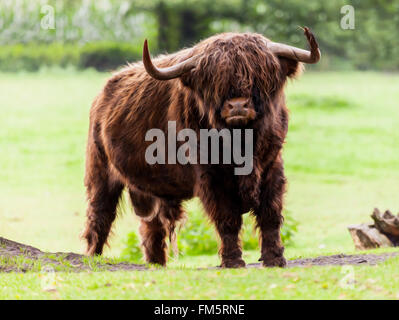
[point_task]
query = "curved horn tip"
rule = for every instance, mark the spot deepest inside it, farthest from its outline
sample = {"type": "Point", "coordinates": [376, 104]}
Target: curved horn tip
{"type": "Point", "coordinates": [166, 73]}
{"type": "Point", "coordinates": [308, 33]}
{"type": "Point", "coordinates": [146, 55]}
{"type": "Point", "coordinates": [145, 46]}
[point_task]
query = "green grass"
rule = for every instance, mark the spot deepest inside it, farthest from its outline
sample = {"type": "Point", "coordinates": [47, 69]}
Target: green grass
{"type": "Point", "coordinates": [341, 157]}
{"type": "Point", "coordinates": [296, 283]}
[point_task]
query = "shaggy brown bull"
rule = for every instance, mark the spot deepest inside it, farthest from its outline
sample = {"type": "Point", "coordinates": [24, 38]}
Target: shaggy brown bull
{"type": "Point", "coordinates": [226, 81]}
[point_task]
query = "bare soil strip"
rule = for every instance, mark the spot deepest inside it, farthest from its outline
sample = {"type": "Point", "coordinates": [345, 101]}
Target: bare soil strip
{"type": "Point", "coordinates": [71, 261]}
{"type": "Point", "coordinates": [77, 262]}
{"type": "Point", "coordinates": [338, 260]}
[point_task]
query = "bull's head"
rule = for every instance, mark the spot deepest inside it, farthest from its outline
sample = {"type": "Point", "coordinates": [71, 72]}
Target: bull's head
{"type": "Point", "coordinates": [237, 76]}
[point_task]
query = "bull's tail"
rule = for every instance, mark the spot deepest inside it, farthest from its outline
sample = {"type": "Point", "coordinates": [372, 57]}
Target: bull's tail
{"type": "Point", "coordinates": [173, 241]}
{"type": "Point", "coordinates": [173, 225]}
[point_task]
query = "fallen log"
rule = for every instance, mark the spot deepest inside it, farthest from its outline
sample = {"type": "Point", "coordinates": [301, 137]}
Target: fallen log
{"type": "Point", "coordinates": [368, 237]}
{"type": "Point", "coordinates": [383, 233]}
{"type": "Point", "coordinates": [387, 223]}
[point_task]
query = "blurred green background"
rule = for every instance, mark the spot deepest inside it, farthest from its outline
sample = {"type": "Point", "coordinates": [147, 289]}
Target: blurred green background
{"type": "Point", "coordinates": [341, 155]}
{"type": "Point", "coordinates": [106, 33]}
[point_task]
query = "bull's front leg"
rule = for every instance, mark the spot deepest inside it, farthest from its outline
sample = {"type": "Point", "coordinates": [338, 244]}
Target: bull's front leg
{"type": "Point", "coordinates": [230, 250]}
{"type": "Point", "coordinates": [269, 216]}
{"type": "Point", "coordinates": [225, 213]}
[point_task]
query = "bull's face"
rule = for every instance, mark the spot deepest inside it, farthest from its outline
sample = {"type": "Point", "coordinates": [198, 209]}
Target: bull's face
{"type": "Point", "coordinates": [236, 77]}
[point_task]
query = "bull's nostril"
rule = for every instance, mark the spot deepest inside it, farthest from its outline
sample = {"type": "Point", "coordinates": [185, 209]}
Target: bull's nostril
{"type": "Point", "coordinates": [245, 106]}
{"type": "Point", "coordinates": [231, 106]}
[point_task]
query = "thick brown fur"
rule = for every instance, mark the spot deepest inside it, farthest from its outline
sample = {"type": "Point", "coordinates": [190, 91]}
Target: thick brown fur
{"type": "Point", "coordinates": [131, 103]}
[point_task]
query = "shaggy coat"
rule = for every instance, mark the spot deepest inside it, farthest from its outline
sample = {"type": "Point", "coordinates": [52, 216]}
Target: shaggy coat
{"type": "Point", "coordinates": [132, 102]}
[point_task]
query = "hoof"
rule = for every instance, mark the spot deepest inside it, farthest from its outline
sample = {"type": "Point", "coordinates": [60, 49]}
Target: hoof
{"type": "Point", "coordinates": [274, 262]}
{"type": "Point", "coordinates": [157, 263]}
{"type": "Point", "coordinates": [238, 263]}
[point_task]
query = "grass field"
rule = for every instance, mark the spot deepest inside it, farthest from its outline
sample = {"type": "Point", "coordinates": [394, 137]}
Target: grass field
{"type": "Point", "coordinates": [341, 156]}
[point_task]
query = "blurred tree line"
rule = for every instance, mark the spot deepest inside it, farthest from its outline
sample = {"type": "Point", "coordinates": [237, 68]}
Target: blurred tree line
{"type": "Point", "coordinates": [107, 33]}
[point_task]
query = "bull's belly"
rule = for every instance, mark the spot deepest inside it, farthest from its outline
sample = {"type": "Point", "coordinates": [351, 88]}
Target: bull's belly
{"type": "Point", "coordinates": [170, 182]}
{"type": "Point", "coordinates": [127, 157]}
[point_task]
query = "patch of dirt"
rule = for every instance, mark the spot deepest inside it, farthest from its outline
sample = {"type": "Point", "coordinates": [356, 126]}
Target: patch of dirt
{"type": "Point", "coordinates": [337, 260]}
{"type": "Point", "coordinates": [60, 260]}
{"type": "Point", "coordinates": [77, 263]}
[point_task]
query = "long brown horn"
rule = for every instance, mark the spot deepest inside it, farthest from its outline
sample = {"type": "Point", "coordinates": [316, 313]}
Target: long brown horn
{"type": "Point", "coordinates": [170, 72]}
{"type": "Point", "coordinates": [312, 56]}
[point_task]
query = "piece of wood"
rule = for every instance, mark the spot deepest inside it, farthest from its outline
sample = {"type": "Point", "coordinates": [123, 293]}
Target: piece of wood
{"type": "Point", "coordinates": [387, 223]}
{"type": "Point", "coordinates": [368, 237]}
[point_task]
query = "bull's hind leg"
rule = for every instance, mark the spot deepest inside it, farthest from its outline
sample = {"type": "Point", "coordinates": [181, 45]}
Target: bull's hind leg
{"type": "Point", "coordinates": [269, 216]}
{"type": "Point", "coordinates": [152, 229]}
{"type": "Point", "coordinates": [103, 194]}
{"type": "Point", "coordinates": [153, 240]}
{"type": "Point", "coordinates": [158, 220]}
{"type": "Point", "coordinates": [103, 200]}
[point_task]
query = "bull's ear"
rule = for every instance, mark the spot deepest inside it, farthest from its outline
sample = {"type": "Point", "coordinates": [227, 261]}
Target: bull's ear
{"type": "Point", "coordinates": [291, 68]}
